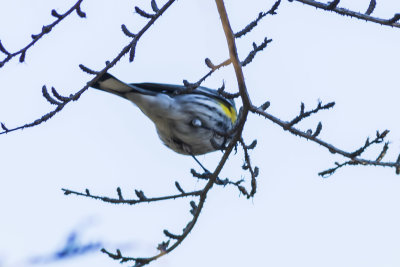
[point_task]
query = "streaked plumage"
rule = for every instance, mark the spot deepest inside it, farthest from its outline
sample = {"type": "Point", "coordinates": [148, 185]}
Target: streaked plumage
{"type": "Point", "coordinates": [186, 123]}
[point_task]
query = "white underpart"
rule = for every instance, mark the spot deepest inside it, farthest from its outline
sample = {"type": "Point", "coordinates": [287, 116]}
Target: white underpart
{"type": "Point", "coordinates": [161, 109]}
{"type": "Point", "coordinates": [179, 124]}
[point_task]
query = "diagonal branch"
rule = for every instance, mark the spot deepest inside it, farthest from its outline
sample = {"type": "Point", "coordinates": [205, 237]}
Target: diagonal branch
{"type": "Point", "coordinates": [45, 30]}
{"type": "Point", "coordinates": [213, 177]}
{"type": "Point", "coordinates": [346, 12]}
{"type": "Point", "coordinates": [109, 65]}
{"type": "Point", "coordinates": [353, 156]}
{"type": "Point", "coordinates": [196, 213]}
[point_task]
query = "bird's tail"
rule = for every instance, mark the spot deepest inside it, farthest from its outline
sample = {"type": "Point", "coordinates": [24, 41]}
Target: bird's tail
{"type": "Point", "coordinates": [109, 83]}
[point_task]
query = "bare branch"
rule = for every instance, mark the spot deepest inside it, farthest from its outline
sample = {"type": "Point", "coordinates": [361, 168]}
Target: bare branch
{"type": "Point", "coordinates": [222, 92]}
{"type": "Point", "coordinates": [332, 5]}
{"type": "Point", "coordinates": [119, 192]}
{"type": "Point", "coordinates": [3, 126]}
{"type": "Point", "coordinates": [58, 96]}
{"type": "Point", "coordinates": [346, 12]}
{"type": "Point", "coordinates": [48, 97]}
{"type": "Point", "coordinates": [218, 181]}
{"type": "Point", "coordinates": [254, 23]}
{"type": "Point", "coordinates": [233, 54]}
{"type": "Point", "coordinates": [383, 152]}
{"type": "Point", "coordinates": [212, 177]}
{"type": "Point", "coordinates": [355, 161]}
{"type": "Point", "coordinates": [143, 13]}
{"type": "Point", "coordinates": [395, 19]}
{"type": "Point", "coordinates": [121, 200]}
{"type": "Point", "coordinates": [126, 31]}
{"type": "Point", "coordinates": [378, 139]}
{"type": "Point", "coordinates": [55, 14]}
{"type": "Point", "coordinates": [353, 156]}
{"type": "Point", "coordinates": [154, 6]}
{"type": "Point", "coordinates": [192, 86]}
{"type": "Point", "coordinates": [87, 70]}
{"type": "Point", "coordinates": [2, 49]}
{"type": "Point", "coordinates": [329, 172]}
{"type": "Point", "coordinates": [80, 12]}
{"type": "Point", "coordinates": [304, 115]}
{"type": "Point", "coordinates": [318, 130]}
{"type": "Point", "coordinates": [132, 51]}
{"type": "Point", "coordinates": [265, 105]}
{"type": "Point", "coordinates": [253, 171]}
{"type": "Point", "coordinates": [371, 7]}
{"type": "Point", "coordinates": [140, 195]}
{"type": "Point", "coordinates": [36, 37]}
{"type": "Point", "coordinates": [173, 236]}
{"type": "Point", "coordinates": [256, 49]}
{"type": "Point", "coordinates": [178, 186]}
{"type": "Point", "coordinates": [398, 165]}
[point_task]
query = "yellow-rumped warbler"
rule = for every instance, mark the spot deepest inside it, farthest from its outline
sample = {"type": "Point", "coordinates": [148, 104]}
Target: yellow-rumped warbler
{"type": "Point", "coordinates": [187, 123]}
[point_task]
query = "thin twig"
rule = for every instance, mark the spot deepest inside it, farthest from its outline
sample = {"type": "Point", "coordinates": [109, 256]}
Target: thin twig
{"type": "Point", "coordinates": [330, 147]}
{"type": "Point", "coordinates": [346, 12]}
{"type": "Point", "coordinates": [254, 23]}
{"type": "Point", "coordinates": [192, 86]}
{"type": "Point", "coordinates": [75, 97]}
{"type": "Point", "coordinates": [248, 166]}
{"type": "Point", "coordinates": [120, 200]}
{"type": "Point", "coordinates": [45, 30]}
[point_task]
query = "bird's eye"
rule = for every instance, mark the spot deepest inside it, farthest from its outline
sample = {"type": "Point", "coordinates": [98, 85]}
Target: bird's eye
{"type": "Point", "coordinates": [196, 122]}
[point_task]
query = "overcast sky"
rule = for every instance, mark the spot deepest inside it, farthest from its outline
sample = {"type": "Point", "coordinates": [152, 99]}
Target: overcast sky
{"type": "Point", "coordinates": [101, 141]}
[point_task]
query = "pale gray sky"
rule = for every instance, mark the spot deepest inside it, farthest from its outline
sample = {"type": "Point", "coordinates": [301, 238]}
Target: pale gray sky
{"type": "Point", "coordinates": [101, 142]}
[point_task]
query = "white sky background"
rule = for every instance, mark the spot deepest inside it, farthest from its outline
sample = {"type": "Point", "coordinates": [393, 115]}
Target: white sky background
{"type": "Point", "coordinates": [101, 141]}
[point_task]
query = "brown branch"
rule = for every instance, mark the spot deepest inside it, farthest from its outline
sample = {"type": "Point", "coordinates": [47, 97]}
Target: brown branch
{"type": "Point", "coordinates": [196, 210]}
{"type": "Point", "coordinates": [346, 12]}
{"type": "Point", "coordinates": [230, 38]}
{"type": "Point", "coordinates": [192, 86]}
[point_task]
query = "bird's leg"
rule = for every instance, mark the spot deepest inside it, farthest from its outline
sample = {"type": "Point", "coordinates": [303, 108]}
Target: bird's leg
{"type": "Point", "coordinates": [207, 173]}
{"type": "Point", "coordinates": [201, 165]}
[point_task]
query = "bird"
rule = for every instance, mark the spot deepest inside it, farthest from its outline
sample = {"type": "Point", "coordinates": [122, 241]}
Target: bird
{"type": "Point", "coordinates": [190, 122]}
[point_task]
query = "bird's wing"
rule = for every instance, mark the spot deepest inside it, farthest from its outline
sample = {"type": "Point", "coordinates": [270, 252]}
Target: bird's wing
{"type": "Point", "coordinates": [109, 83]}
{"type": "Point", "coordinates": [172, 90]}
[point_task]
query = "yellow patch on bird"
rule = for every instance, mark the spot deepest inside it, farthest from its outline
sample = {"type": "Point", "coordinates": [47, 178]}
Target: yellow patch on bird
{"type": "Point", "coordinates": [229, 111]}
